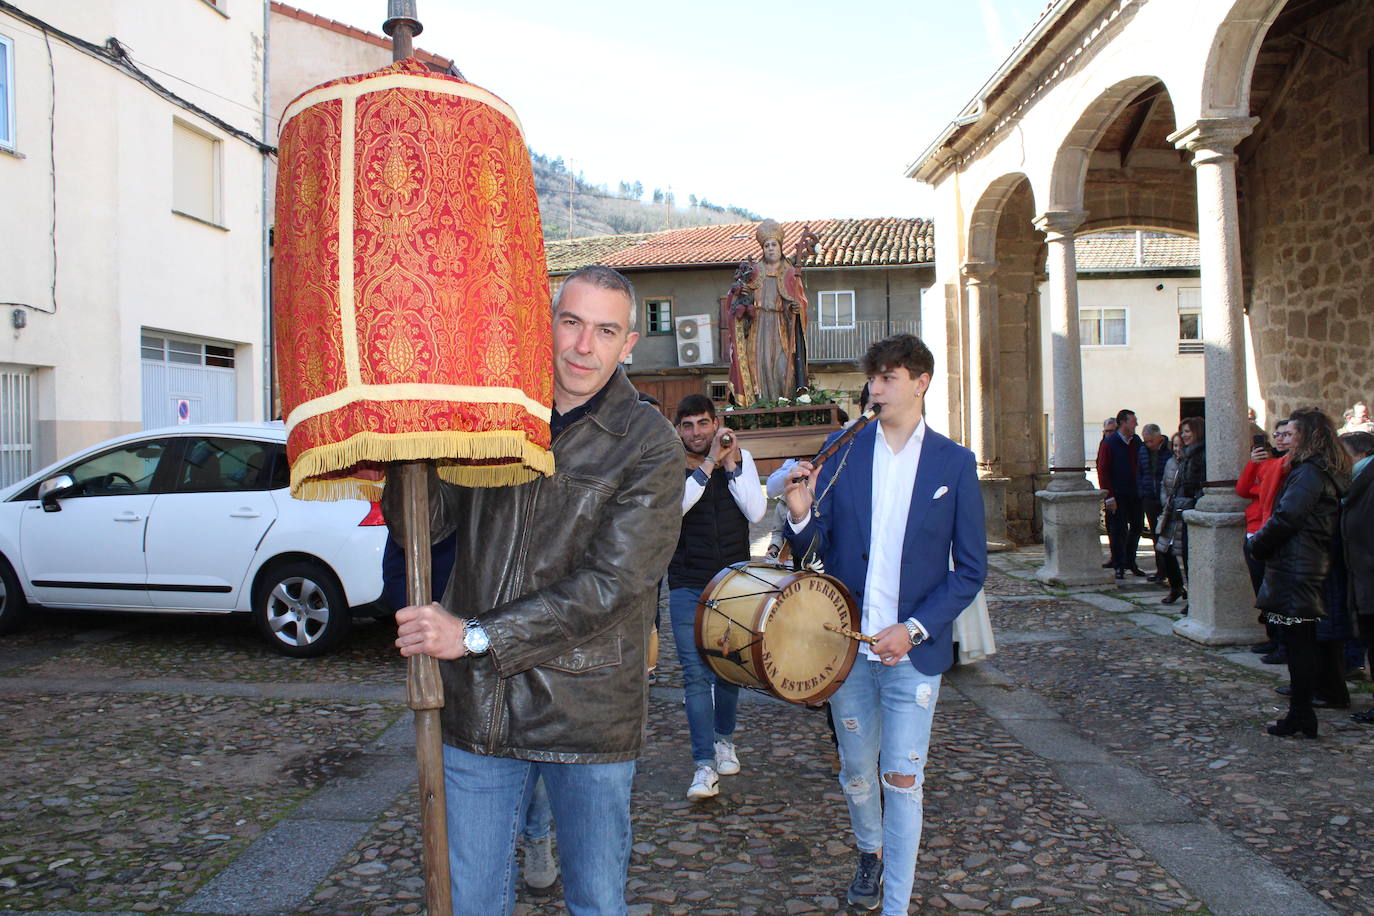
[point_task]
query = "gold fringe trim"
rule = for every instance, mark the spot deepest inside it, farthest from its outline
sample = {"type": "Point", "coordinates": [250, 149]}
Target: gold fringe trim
{"type": "Point", "coordinates": [521, 461]}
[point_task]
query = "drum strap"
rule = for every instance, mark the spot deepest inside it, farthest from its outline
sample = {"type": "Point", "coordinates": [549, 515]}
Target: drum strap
{"type": "Point", "coordinates": [809, 556]}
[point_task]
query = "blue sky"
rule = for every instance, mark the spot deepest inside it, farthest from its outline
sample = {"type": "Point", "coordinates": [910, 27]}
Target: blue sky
{"type": "Point", "coordinates": [804, 110]}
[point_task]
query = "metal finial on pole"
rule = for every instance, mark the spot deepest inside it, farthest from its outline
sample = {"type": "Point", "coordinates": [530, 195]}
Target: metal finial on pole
{"type": "Point", "coordinates": [402, 25]}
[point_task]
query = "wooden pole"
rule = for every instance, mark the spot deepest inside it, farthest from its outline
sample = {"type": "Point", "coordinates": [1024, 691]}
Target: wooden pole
{"type": "Point", "coordinates": [425, 689]}
{"type": "Point", "coordinates": [424, 686]}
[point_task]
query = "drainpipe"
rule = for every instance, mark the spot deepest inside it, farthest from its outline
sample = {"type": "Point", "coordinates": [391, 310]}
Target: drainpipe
{"type": "Point", "coordinates": [887, 292]}
{"type": "Point", "coordinates": [267, 352]}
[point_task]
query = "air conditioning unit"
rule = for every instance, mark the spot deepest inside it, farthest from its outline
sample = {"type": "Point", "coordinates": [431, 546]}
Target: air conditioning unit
{"type": "Point", "coordinates": [694, 346]}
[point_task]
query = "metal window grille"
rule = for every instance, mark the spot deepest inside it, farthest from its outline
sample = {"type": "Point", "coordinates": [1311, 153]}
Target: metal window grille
{"type": "Point", "coordinates": [16, 425]}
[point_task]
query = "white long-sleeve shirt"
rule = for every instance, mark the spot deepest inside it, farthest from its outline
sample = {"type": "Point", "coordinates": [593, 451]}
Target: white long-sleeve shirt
{"type": "Point", "coordinates": [744, 487]}
{"type": "Point", "coordinates": [894, 477]}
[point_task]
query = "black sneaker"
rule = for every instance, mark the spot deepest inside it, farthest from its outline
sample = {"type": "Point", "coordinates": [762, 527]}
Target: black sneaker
{"type": "Point", "coordinates": [1276, 657]}
{"type": "Point", "coordinates": [866, 890]}
{"type": "Point", "coordinates": [1264, 648]}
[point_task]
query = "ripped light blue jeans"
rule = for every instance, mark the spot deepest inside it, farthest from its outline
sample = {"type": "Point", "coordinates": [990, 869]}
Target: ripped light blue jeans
{"type": "Point", "coordinates": [882, 720]}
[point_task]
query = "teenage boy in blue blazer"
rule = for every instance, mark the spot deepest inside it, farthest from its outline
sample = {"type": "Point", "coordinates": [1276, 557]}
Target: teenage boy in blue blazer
{"type": "Point", "coordinates": [897, 516]}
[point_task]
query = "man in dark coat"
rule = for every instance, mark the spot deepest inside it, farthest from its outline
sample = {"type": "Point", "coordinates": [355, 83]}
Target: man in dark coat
{"type": "Point", "coordinates": [1117, 469]}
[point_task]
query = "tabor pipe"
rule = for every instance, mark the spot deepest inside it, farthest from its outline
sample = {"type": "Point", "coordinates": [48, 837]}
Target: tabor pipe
{"type": "Point", "coordinates": [425, 689]}
{"type": "Point", "coordinates": [824, 454]}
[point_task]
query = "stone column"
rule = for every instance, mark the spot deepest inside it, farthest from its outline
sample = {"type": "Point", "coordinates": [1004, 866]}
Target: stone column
{"type": "Point", "coordinates": [1220, 598]}
{"type": "Point", "coordinates": [1070, 505]}
{"type": "Point", "coordinates": [983, 398]}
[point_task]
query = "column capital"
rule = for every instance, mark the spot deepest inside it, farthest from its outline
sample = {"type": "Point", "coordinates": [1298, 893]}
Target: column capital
{"type": "Point", "coordinates": [1213, 139]}
{"type": "Point", "coordinates": [1059, 225]}
{"type": "Point", "coordinates": [976, 272]}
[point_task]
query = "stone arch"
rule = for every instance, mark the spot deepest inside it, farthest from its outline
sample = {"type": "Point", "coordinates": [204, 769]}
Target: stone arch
{"type": "Point", "coordinates": [987, 215]}
{"type": "Point", "coordinates": [1231, 59]}
{"type": "Point", "coordinates": [1070, 168]}
{"type": "Point", "coordinates": [1001, 232]}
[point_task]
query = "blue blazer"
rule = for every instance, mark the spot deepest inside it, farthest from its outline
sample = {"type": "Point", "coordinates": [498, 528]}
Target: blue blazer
{"type": "Point", "coordinates": [936, 529]}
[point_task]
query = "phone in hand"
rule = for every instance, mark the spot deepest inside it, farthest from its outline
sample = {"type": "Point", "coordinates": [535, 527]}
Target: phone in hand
{"type": "Point", "coordinates": [1257, 440]}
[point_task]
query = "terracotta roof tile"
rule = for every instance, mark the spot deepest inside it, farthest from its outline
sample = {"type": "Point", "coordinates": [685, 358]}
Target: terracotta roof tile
{"type": "Point", "coordinates": [565, 256]}
{"type": "Point", "coordinates": [1119, 252]}
{"type": "Point", "coordinates": [884, 242]}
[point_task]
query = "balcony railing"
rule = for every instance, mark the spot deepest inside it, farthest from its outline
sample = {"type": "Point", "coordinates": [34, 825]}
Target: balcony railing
{"type": "Point", "coordinates": [835, 344]}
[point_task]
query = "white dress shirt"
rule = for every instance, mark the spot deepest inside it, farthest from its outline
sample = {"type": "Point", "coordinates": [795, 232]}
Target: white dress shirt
{"type": "Point", "coordinates": [743, 486]}
{"type": "Point", "coordinates": [894, 476]}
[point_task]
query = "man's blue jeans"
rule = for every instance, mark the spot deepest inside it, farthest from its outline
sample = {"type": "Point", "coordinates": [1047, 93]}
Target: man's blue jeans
{"type": "Point", "coordinates": [487, 798]}
{"type": "Point", "coordinates": [711, 702]}
{"type": "Point", "coordinates": [882, 721]}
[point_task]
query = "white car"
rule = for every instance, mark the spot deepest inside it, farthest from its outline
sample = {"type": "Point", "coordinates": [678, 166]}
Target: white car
{"type": "Point", "coordinates": [191, 519]}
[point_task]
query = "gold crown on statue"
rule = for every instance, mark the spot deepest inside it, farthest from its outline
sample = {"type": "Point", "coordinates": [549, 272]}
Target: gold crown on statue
{"type": "Point", "coordinates": [769, 229]}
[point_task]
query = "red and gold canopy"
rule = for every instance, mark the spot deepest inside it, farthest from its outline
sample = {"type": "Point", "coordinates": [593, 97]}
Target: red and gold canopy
{"type": "Point", "coordinates": [409, 285]}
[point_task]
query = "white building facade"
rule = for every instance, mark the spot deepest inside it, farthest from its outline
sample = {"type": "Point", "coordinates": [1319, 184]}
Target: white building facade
{"type": "Point", "coordinates": [133, 273]}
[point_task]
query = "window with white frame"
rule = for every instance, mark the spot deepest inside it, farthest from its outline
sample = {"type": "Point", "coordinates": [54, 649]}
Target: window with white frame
{"type": "Point", "coordinates": [658, 316]}
{"type": "Point", "coordinates": [6, 92]}
{"type": "Point", "coordinates": [195, 173]}
{"type": "Point", "coordinates": [835, 309]}
{"type": "Point", "coordinates": [171, 350]}
{"type": "Point", "coordinates": [1189, 319]}
{"type": "Point", "coordinates": [1102, 327]}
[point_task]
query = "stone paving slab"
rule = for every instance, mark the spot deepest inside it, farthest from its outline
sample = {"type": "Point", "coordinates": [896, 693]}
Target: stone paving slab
{"type": "Point", "coordinates": [1002, 835]}
{"type": "Point", "coordinates": [200, 749]}
{"type": "Point", "coordinates": [117, 801]}
{"type": "Point", "coordinates": [1191, 719]}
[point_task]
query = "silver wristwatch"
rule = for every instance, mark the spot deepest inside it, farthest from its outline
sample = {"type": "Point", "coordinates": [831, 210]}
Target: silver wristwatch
{"type": "Point", "coordinates": [917, 635]}
{"type": "Point", "coordinates": [475, 640]}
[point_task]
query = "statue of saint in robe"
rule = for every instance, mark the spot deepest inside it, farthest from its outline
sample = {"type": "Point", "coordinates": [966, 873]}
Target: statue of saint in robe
{"type": "Point", "coordinates": [764, 325]}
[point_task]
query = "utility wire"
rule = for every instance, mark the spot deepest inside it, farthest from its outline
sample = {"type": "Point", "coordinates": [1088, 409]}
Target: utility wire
{"type": "Point", "coordinates": [115, 55]}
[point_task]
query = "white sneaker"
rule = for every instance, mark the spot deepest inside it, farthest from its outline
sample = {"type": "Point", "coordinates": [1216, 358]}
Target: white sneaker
{"type": "Point", "coordinates": [540, 869]}
{"type": "Point", "coordinates": [705, 784]}
{"type": "Point", "coordinates": [727, 763]}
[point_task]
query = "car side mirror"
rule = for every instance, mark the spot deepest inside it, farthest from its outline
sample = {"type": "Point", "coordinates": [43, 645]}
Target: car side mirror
{"type": "Point", "coordinates": [53, 489]}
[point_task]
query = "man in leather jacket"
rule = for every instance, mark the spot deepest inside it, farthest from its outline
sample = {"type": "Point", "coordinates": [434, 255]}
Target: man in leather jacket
{"type": "Point", "coordinates": [543, 629]}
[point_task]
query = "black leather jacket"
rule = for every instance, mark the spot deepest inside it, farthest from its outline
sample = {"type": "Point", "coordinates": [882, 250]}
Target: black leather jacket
{"type": "Point", "coordinates": [1295, 543]}
{"type": "Point", "coordinates": [563, 575]}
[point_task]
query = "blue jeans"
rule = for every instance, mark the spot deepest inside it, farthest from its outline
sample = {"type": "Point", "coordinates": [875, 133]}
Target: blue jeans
{"type": "Point", "coordinates": [882, 721]}
{"type": "Point", "coordinates": [487, 799]}
{"type": "Point", "coordinates": [538, 814]}
{"type": "Point", "coordinates": [710, 702]}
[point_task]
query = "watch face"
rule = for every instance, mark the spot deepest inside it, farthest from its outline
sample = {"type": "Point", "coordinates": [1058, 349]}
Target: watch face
{"type": "Point", "coordinates": [475, 640]}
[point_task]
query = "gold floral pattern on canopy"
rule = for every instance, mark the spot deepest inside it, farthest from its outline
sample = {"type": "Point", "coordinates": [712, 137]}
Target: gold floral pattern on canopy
{"type": "Point", "coordinates": [410, 293]}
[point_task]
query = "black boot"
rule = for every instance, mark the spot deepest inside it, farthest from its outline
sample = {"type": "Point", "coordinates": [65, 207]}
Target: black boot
{"type": "Point", "coordinates": [1292, 725]}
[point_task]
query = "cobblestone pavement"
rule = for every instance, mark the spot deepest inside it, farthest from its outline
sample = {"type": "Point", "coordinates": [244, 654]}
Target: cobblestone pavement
{"type": "Point", "coordinates": [147, 761]}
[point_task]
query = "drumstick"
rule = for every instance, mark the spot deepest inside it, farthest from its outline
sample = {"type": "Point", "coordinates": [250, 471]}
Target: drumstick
{"type": "Point", "coordinates": [844, 631]}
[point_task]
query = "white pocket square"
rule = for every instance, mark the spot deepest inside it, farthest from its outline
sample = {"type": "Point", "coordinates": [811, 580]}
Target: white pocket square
{"type": "Point", "coordinates": [940, 492]}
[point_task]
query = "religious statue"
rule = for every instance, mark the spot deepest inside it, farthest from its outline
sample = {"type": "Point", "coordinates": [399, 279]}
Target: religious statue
{"type": "Point", "coordinates": [764, 325]}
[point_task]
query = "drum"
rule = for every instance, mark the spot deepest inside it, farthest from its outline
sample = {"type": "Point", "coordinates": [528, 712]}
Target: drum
{"type": "Point", "coordinates": [762, 626]}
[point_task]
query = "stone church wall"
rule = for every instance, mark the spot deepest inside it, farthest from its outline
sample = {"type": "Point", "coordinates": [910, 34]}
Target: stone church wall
{"type": "Point", "coordinates": [1307, 199]}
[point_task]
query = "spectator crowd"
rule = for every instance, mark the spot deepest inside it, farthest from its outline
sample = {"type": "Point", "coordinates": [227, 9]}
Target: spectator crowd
{"type": "Point", "coordinates": [1309, 542]}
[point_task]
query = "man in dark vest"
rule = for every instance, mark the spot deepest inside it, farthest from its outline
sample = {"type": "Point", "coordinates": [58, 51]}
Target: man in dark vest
{"type": "Point", "coordinates": [1118, 458]}
{"type": "Point", "coordinates": [721, 499]}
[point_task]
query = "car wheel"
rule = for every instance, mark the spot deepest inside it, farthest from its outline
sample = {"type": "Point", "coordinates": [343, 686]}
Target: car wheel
{"type": "Point", "coordinates": [14, 608]}
{"type": "Point", "coordinates": [300, 609]}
